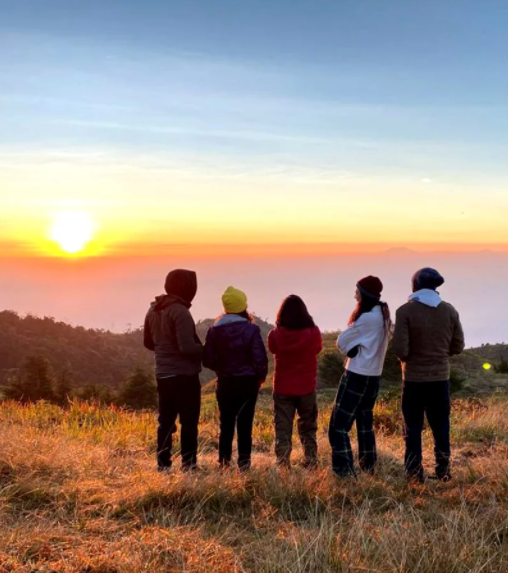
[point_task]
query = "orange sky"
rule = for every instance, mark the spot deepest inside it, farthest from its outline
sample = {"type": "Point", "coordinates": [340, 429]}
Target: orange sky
{"type": "Point", "coordinates": [136, 208]}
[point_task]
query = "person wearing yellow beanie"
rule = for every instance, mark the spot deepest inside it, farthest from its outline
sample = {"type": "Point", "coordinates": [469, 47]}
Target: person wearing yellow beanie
{"type": "Point", "coordinates": [234, 300]}
{"type": "Point", "coordinates": [235, 350]}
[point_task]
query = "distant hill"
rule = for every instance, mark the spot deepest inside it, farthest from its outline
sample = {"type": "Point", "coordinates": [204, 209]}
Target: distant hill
{"type": "Point", "coordinates": [90, 356]}
{"type": "Point", "coordinates": [101, 357]}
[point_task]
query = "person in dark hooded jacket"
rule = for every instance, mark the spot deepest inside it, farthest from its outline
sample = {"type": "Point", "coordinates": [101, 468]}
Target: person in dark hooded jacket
{"type": "Point", "coordinates": [235, 350]}
{"type": "Point", "coordinates": [170, 332]}
{"type": "Point", "coordinates": [295, 342]}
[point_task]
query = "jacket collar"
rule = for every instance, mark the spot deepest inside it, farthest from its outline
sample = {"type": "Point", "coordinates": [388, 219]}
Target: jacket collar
{"type": "Point", "coordinates": [229, 319]}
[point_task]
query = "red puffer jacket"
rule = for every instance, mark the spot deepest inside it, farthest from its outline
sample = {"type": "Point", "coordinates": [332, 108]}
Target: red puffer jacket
{"type": "Point", "coordinates": [296, 362]}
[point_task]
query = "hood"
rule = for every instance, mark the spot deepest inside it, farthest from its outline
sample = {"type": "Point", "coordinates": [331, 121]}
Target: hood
{"type": "Point", "coordinates": [165, 300]}
{"type": "Point", "coordinates": [287, 339]}
{"type": "Point", "coordinates": [427, 296]}
{"type": "Point", "coordinates": [182, 284]}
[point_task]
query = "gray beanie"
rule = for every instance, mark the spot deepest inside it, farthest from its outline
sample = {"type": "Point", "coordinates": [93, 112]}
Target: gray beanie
{"type": "Point", "coordinates": [427, 278]}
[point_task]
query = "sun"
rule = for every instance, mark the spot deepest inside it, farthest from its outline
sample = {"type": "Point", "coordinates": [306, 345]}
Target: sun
{"type": "Point", "coordinates": [72, 231]}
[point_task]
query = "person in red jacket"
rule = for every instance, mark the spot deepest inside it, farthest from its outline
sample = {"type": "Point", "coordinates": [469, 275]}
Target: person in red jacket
{"type": "Point", "coordinates": [295, 343]}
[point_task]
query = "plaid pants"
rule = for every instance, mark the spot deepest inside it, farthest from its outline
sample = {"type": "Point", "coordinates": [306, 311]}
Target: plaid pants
{"type": "Point", "coordinates": [355, 400]}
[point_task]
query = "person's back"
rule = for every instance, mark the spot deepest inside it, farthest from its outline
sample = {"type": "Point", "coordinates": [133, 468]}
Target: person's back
{"type": "Point", "coordinates": [171, 333]}
{"type": "Point", "coordinates": [427, 333]}
{"type": "Point", "coordinates": [295, 343]}
{"type": "Point", "coordinates": [235, 348]}
{"type": "Point", "coordinates": [296, 359]}
{"type": "Point", "coordinates": [364, 342]}
{"type": "Point", "coordinates": [169, 328]}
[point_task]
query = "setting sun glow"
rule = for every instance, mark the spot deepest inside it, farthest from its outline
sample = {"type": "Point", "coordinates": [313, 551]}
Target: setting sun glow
{"type": "Point", "coordinates": [72, 230]}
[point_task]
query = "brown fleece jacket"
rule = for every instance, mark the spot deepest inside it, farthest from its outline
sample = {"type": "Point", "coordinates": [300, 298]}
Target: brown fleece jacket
{"type": "Point", "coordinates": [425, 338]}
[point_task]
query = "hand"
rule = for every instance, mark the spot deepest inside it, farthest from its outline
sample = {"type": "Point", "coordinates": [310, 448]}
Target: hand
{"type": "Point", "coordinates": [353, 352]}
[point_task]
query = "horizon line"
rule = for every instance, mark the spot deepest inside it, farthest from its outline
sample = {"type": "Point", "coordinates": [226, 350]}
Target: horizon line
{"type": "Point", "coordinates": [254, 249]}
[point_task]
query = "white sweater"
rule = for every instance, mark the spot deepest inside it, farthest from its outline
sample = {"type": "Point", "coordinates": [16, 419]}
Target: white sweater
{"type": "Point", "coordinates": [370, 334]}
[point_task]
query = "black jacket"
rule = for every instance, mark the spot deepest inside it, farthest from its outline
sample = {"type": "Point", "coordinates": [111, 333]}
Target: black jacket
{"type": "Point", "coordinates": [234, 347]}
{"type": "Point", "coordinates": [170, 330]}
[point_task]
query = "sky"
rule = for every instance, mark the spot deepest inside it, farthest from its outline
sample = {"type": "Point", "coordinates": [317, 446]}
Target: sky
{"type": "Point", "coordinates": [254, 130]}
{"type": "Point", "coordinates": [220, 122]}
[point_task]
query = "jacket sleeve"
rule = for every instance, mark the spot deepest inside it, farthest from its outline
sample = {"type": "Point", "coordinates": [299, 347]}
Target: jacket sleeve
{"type": "Point", "coordinates": [400, 341]}
{"type": "Point", "coordinates": [209, 356]}
{"type": "Point", "coordinates": [259, 355]}
{"type": "Point", "coordinates": [185, 330]}
{"type": "Point", "coordinates": [147, 335]}
{"type": "Point", "coordinates": [352, 336]}
{"type": "Point", "coordinates": [271, 342]}
{"type": "Point", "coordinates": [457, 343]}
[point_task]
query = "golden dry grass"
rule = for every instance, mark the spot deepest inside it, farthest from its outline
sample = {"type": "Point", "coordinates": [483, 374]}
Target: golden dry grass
{"type": "Point", "coordinates": [79, 492]}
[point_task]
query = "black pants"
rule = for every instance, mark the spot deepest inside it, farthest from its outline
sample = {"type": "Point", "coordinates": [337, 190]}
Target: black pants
{"type": "Point", "coordinates": [432, 399]}
{"type": "Point", "coordinates": [236, 397]}
{"type": "Point", "coordinates": [355, 401]}
{"type": "Point", "coordinates": [178, 397]}
{"type": "Point", "coordinates": [285, 408]}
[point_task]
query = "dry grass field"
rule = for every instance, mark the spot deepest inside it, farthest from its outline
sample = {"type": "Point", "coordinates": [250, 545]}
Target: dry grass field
{"type": "Point", "coordinates": [79, 492]}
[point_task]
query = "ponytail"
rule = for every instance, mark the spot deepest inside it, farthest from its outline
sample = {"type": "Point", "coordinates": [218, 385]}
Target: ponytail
{"type": "Point", "coordinates": [386, 315]}
{"type": "Point", "coordinates": [366, 305]}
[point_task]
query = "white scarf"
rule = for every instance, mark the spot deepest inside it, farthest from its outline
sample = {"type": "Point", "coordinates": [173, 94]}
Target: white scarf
{"type": "Point", "coordinates": [427, 296]}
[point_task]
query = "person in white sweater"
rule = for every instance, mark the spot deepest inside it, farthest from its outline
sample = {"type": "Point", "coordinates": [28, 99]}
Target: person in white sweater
{"type": "Point", "coordinates": [364, 342]}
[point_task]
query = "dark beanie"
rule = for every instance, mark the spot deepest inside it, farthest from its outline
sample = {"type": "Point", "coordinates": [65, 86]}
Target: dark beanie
{"type": "Point", "coordinates": [426, 278]}
{"type": "Point", "coordinates": [370, 286]}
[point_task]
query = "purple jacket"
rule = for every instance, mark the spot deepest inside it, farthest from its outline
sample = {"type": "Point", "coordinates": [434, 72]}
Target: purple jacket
{"type": "Point", "coordinates": [234, 347]}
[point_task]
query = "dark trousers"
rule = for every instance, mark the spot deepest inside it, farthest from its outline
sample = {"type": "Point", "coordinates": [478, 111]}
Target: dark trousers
{"type": "Point", "coordinates": [178, 397]}
{"type": "Point", "coordinates": [432, 399]}
{"type": "Point", "coordinates": [236, 397]}
{"type": "Point", "coordinates": [355, 400]}
{"type": "Point", "coordinates": [285, 408]}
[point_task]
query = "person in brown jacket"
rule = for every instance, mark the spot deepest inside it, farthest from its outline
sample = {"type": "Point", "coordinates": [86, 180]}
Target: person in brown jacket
{"type": "Point", "coordinates": [427, 332]}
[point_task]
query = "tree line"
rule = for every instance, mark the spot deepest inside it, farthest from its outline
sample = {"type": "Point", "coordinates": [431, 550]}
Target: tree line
{"type": "Point", "coordinates": [37, 380]}
{"type": "Point", "coordinates": [41, 358]}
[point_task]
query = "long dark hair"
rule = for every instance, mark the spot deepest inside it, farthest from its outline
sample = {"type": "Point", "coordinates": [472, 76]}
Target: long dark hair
{"type": "Point", "coordinates": [366, 304]}
{"type": "Point", "coordinates": [293, 314]}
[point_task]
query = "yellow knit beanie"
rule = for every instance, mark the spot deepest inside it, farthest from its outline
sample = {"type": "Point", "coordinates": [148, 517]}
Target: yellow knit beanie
{"type": "Point", "coordinates": [234, 300]}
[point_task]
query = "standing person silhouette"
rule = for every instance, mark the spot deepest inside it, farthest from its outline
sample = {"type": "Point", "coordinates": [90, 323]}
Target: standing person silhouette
{"type": "Point", "coordinates": [365, 342]}
{"type": "Point", "coordinates": [427, 332]}
{"type": "Point", "coordinates": [170, 332]}
{"type": "Point", "coordinates": [235, 350]}
{"type": "Point", "coordinates": [295, 343]}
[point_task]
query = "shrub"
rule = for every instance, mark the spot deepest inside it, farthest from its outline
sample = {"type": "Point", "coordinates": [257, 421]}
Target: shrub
{"type": "Point", "coordinates": [33, 383]}
{"type": "Point", "coordinates": [330, 369]}
{"type": "Point", "coordinates": [501, 367]}
{"type": "Point", "coordinates": [96, 393]}
{"type": "Point", "coordinates": [139, 391]}
{"type": "Point", "coordinates": [456, 381]}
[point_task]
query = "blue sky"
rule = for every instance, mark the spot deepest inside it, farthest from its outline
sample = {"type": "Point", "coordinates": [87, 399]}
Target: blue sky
{"type": "Point", "coordinates": [370, 99]}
